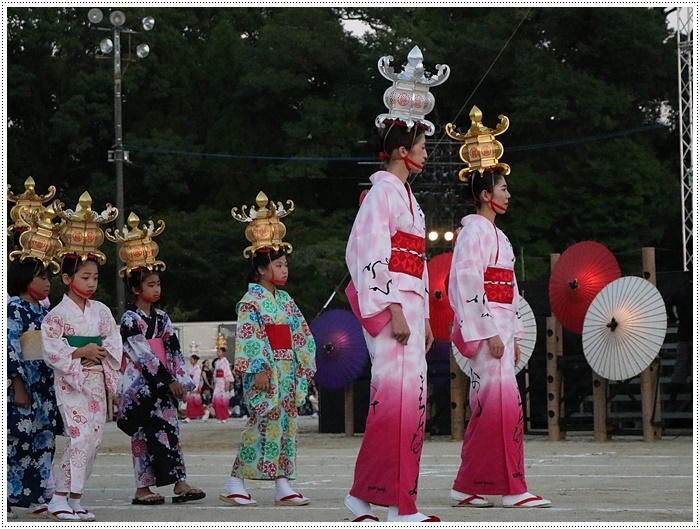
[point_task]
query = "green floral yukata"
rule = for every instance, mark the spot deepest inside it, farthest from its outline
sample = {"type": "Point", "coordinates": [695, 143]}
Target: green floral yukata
{"type": "Point", "coordinates": [268, 444]}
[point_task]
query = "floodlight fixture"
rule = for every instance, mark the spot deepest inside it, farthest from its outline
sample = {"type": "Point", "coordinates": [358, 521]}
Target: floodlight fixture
{"type": "Point", "coordinates": [142, 51]}
{"type": "Point", "coordinates": [433, 236]}
{"type": "Point", "coordinates": [147, 23]}
{"type": "Point", "coordinates": [95, 15]}
{"type": "Point", "coordinates": [106, 46]}
{"type": "Point", "coordinates": [117, 18]}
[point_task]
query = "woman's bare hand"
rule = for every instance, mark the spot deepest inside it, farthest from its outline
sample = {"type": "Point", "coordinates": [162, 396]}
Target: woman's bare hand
{"type": "Point", "coordinates": [496, 346]}
{"type": "Point", "coordinates": [399, 327]}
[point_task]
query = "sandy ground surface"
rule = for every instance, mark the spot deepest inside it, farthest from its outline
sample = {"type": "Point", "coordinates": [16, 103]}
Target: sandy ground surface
{"type": "Point", "coordinates": [624, 481]}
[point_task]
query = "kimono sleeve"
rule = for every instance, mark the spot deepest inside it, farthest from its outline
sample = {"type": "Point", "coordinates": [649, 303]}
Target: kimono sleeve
{"type": "Point", "coordinates": [368, 253]}
{"type": "Point", "coordinates": [519, 333]}
{"type": "Point", "coordinates": [174, 353]}
{"type": "Point", "coordinates": [58, 352]}
{"type": "Point", "coordinates": [111, 338]}
{"type": "Point", "coordinates": [15, 364]}
{"type": "Point", "coordinates": [466, 291]}
{"type": "Point", "coordinates": [138, 350]}
{"type": "Point", "coordinates": [253, 351]}
{"type": "Point", "coordinates": [305, 351]}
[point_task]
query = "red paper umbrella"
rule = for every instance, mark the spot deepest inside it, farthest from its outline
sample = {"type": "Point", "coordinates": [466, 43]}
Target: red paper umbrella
{"type": "Point", "coordinates": [341, 351]}
{"type": "Point", "coordinates": [582, 271]}
{"type": "Point", "coordinates": [441, 313]}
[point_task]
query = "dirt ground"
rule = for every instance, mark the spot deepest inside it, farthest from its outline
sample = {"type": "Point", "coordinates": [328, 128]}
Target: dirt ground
{"type": "Point", "coordinates": [624, 481]}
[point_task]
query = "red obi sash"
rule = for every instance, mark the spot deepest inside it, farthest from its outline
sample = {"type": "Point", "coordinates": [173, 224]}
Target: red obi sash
{"type": "Point", "coordinates": [407, 254]}
{"type": "Point", "coordinates": [498, 284]}
{"type": "Point", "coordinates": [280, 336]}
{"type": "Point", "coordinates": [219, 373]}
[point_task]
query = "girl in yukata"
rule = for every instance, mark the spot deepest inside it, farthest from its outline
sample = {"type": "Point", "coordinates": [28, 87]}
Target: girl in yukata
{"type": "Point", "coordinates": [385, 256]}
{"type": "Point", "coordinates": [276, 356]}
{"type": "Point", "coordinates": [194, 398]}
{"type": "Point", "coordinates": [153, 384]}
{"type": "Point", "coordinates": [33, 420]}
{"type": "Point", "coordinates": [484, 295]}
{"type": "Point", "coordinates": [223, 378]}
{"type": "Point", "coordinates": [83, 347]}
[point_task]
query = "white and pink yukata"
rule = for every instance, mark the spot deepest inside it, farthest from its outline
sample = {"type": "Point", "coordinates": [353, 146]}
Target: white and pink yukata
{"type": "Point", "coordinates": [195, 408]}
{"type": "Point", "coordinates": [386, 259]}
{"type": "Point", "coordinates": [220, 397]}
{"type": "Point", "coordinates": [81, 392]}
{"type": "Point", "coordinates": [484, 295]}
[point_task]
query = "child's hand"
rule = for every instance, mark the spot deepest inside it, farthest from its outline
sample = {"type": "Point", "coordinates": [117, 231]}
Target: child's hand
{"type": "Point", "coordinates": [21, 398]}
{"type": "Point", "coordinates": [91, 352]}
{"type": "Point", "coordinates": [177, 390]}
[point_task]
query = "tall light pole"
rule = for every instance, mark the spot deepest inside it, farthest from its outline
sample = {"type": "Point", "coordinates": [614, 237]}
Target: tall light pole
{"type": "Point", "coordinates": [118, 155]}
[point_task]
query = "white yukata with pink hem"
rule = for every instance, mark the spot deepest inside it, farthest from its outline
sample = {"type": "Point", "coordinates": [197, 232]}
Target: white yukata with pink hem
{"type": "Point", "coordinates": [81, 392]}
{"type": "Point", "coordinates": [492, 452]}
{"type": "Point", "coordinates": [387, 467]}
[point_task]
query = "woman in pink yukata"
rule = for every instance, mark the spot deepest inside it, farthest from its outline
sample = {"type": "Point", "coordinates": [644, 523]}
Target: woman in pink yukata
{"type": "Point", "coordinates": [82, 345]}
{"type": "Point", "coordinates": [484, 295]}
{"type": "Point", "coordinates": [385, 256]}
{"type": "Point", "coordinates": [389, 295]}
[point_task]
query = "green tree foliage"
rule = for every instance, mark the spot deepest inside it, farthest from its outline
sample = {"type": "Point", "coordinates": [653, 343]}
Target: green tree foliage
{"type": "Point", "coordinates": [234, 100]}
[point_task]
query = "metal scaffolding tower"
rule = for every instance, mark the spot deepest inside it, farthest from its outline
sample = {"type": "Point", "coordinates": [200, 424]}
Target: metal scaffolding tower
{"type": "Point", "coordinates": [684, 36]}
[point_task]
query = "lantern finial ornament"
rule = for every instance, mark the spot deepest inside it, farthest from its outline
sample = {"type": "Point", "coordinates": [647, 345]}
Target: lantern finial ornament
{"type": "Point", "coordinates": [139, 250]}
{"type": "Point", "coordinates": [41, 241]}
{"type": "Point", "coordinates": [81, 234]}
{"type": "Point", "coordinates": [265, 229]}
{"type": "Point", "coordinates": [481, 150]}
{"type": "Point", "coordinates": [409, 99]}
{"type": "Point", "coordinates": [26, 204]}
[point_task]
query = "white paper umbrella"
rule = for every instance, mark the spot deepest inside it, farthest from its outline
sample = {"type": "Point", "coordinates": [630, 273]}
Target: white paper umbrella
{"type": "Point", "coordinates": [624, 328]}
{"type": "Point", "coordinates": [527, 343]}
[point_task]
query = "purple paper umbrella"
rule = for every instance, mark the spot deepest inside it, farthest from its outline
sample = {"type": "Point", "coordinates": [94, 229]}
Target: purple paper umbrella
{"type": "Point", "coordinates": [341, 351]}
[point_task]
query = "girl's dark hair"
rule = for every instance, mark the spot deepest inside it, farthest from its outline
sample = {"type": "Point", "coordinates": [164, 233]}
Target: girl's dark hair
{"type": "Point", "coordinates": [21, 273]}
{"type": "Point", "coordinates": [70, 265]}
{"type": "Point", "coordinates": [261, 260]}
{"type": "Point", "coordinates": [195, 358]}
{"type": "Point", "coordinates": [136, 279]}
{"type": "Point", "coordinates": [394, 136]}
{"type": "Point", "coordinates": [476, 183]}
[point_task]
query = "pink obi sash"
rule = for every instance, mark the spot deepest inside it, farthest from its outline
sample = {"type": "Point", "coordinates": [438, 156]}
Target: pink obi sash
{"type": "Point", "coordinates": [158, 348]}
{"type": "Point", "coordinates": [498, 285]}
{"type": "Point", "coordinates": [280, 336]}
{"type": "Point", "coordinates": [407, 254]}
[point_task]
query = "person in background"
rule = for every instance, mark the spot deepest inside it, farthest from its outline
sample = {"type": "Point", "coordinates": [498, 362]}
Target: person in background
{"type": "Point", "coordinates": [195, 409]}
{"type": "Point", "coordinates": [222, 385]}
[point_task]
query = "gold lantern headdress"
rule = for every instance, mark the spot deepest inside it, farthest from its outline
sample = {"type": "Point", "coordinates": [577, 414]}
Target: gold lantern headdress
{"type": "Point", "coordinates": [41, 241]}
{"type": "Point", "coordinates": [139, 250]}
{"type": "Point", "coordinates": [481, 150]}
{"type": "Point", "coordinates": [26, 205]}
{"type": "Point", "coordinates": [265, 229]}
{"type": "Point", "coordinates": [409, 98]}
{"type": "Point", "coordinates": [81, 233]}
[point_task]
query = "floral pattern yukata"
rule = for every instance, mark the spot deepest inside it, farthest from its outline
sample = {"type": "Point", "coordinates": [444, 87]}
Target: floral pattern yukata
{"type": "Point", "coordinates": [81, 392]}
{"type": "Point", "coordinates": [268, 444]}
{"type": "Point", "coordinates": [220, 396]}
{"type": "Point", "coordinates": [387, 467]}
{"type": "Point", "coordinates": [492, 452]}
{"type": "Point", "coordinates": [194, 399]}
{"type": "Point", "coordinates": [31, 432]}
{"type": "Point", "coordinates": [148, 410]}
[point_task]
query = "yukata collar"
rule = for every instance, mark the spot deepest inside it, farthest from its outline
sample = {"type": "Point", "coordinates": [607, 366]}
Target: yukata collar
{"type": "Point", "coordinates": [391, 178]}
{"type": "Point", "coordinates": [259, 289]}
{"type": "Point", "coordinates": [74, 305]}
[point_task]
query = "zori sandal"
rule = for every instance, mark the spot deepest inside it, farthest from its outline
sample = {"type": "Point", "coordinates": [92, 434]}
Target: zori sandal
{"type": "Point", "coordinates": [234, 499]}
{"type": "Point", "coordinates": [293, 500]}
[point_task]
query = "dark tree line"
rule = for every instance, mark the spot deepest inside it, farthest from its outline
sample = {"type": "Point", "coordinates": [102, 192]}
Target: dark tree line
{"type": "Point", "coordinates": [235, 100]}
